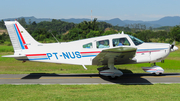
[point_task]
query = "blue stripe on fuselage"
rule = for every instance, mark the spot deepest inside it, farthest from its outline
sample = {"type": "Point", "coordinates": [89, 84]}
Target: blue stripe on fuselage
{"type": "Point", "coordinates": [151, 49]}
{"type": "Point", "coordinates": [88, 55]}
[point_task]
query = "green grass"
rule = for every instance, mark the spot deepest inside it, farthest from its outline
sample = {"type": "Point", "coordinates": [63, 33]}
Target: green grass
{"type": "Point", "coordinates": [5, 48]}
{"type": "Point", "coordinates": [157, 92]}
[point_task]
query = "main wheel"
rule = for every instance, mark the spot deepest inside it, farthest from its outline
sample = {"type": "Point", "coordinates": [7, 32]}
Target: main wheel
{"type": "Point", "coordinates": [157, 74]}
{"type": "Point", "coordinates": [112, 78]}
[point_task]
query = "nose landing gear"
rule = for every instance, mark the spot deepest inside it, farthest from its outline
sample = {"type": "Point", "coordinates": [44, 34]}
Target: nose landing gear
{"type": "Point", "coordinates": [155, 70]}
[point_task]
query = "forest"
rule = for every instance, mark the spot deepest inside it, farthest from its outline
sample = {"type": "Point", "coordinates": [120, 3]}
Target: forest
{"type": "Point", "coordinates": [65, 31]}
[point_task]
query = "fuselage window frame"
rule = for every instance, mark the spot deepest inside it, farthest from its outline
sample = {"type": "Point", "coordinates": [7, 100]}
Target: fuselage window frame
{"type": "Point", "coordinates": [88, 45]}
{"type": "Point", "coordinates": [103, 44]}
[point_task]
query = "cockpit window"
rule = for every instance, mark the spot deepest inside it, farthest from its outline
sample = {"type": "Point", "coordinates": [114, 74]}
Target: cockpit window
{"type": "Point", "coordinates": [89, 45]}
{"type": "Point", "coordinates": [136, 40]}
{"type": "Point", "coordinates": [120, 42]}
{"type": "Point", "coordinates": [102, 44]}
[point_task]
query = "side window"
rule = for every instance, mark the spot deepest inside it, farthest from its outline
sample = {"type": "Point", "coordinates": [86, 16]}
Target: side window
{"type": "Point", "coordinates": [89, 45]}
{"type": "Point", "coordinates": [121, 42]}
{"type": "Point", "coordinates": [102, 44]}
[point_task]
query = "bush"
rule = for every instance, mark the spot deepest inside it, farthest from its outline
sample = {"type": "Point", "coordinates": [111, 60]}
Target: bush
{"type": "Point", "coordinates": [175, 33]}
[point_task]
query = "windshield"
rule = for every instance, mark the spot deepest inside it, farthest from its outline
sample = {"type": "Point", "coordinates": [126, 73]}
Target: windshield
{"type": "Point", "coordinates": [136, 40]}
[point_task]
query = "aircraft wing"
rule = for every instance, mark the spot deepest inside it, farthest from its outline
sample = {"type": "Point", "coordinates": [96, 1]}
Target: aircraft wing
{"type": "Point", "coordinates": [120, 55]}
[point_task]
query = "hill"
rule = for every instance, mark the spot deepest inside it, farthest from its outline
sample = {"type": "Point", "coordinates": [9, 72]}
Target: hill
{"type": "Point", "coordinates": [27, 19]}
{"type": "Point", "coordinates": [165, 21]}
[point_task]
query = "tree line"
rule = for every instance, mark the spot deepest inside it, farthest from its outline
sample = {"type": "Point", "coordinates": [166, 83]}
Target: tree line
{"type": "Point", "coordinates": [65, 31]}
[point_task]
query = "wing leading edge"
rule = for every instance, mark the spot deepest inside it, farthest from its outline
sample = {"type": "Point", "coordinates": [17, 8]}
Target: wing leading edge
{"type": "Point", "coordinates": [121, 55]}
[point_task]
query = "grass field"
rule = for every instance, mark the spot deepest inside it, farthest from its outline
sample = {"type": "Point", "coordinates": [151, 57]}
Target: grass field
{"type": "Point", "coordinates": [157, 92]}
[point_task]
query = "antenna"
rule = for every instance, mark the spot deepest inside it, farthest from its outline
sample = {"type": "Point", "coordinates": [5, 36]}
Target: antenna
{"type": "Point", "coordinates": [54, 37]}
{"type": "Point", "coordinates": [91, 16]}
{"type": "Point", "coordinates": [122, 32]}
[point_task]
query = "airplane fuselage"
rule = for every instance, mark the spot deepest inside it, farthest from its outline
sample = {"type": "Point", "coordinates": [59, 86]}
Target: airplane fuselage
{"type": "Point", "coordinates": [74, 52]}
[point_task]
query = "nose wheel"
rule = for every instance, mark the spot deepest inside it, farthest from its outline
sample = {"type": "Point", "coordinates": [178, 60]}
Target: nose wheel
{"type": "Point", "coordinates": [155, 70]}
{"type": "Point", "coordinates": [157, 74]}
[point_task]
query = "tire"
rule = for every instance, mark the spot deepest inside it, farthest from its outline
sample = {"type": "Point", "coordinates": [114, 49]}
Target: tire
{"type": "Point", "coordinates": [112, 78]}
{"type": "Point", "coordinates": [157, 74]}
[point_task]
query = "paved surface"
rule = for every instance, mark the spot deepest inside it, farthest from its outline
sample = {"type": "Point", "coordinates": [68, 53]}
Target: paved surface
{"type": "Point", "coordinates": [70, 79]}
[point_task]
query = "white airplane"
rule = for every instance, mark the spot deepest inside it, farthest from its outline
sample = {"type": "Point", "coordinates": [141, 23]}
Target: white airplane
{"type": "Point", "coordinates": [109, 50]}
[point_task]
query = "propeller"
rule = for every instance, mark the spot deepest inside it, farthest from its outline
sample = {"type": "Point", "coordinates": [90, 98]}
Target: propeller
{"type": "Point", "coordinates": [172, 46]}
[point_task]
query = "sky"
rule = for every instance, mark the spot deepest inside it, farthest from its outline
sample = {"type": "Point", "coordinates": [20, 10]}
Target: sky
{"type": "Point", "coordinates": [145, 10]}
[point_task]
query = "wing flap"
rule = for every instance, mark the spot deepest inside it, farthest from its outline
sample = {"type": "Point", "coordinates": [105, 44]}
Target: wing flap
{"type": "Point", "coordinates": [121, 55]}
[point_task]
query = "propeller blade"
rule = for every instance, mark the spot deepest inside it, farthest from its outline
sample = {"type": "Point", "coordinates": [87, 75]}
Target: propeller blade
{"type": "Point", "coordinates": [172, 46]}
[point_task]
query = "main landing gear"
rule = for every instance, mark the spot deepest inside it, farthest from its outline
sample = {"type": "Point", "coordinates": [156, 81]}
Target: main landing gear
{"type": "Point", "coordinates": [110, 70]}
{"type": "Point", "coordinates": [112, 73]}
{"type": "Point", "coordinates": [155, 70]}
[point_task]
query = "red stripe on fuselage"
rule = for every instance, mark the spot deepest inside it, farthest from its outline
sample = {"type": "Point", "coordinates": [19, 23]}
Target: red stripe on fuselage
{"type": "Point", "coordinates": [148, 51]}
{"type": "Point", "coordinates": [24, 43]}
{"type": "Point", "coordinates": [90, 52]}
{"type": "Point", "coordinates": [35, 54]}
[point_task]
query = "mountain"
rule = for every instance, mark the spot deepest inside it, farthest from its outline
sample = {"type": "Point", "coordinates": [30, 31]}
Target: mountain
{"type": "Point", "coordinates": [75, 20]}
{"type": "Point", "coordinates": [133, 22]}
{"type": "Point", "coordinates": [165, 21]}
{"type": "Point", "coordinates": [37, 20]}
{"type": "Point", "coordinates": [115, 21]}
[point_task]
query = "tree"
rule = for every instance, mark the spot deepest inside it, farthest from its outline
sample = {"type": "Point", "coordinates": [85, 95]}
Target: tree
{"type": "Point", "coordinates": [93, 34]}
{"type": "Point", "coordinates": [111, 31]}
{"type": "Point", "coordinates": [4, 37]}
{"type": "Point", "coordinates": [22, 21]}
{"type": "Point", "coordinates": [150, 28]}
{"type": "Point", "coordinates": [175, 33]}
{"type": "Point", "coordinates": [103, 25]}
{"type": "Point", "coordinates": [41, 34]}
{"type": "Point", "coordinates": [85, 29]}
{"type": "Point", "coordinates": [29, 21]}
{"type": "Point", "coordinates": [34, 23]}
{"type": "Point", "coordinates": [144, 35]}
{"type": "Point", "coordinates": [2, 24]}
